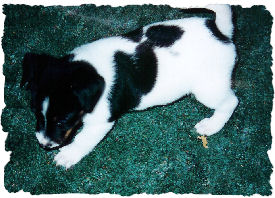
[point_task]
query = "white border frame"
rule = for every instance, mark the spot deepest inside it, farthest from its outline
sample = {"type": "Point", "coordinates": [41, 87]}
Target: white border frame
{"type": "Point", "coordinates": [173, 3]}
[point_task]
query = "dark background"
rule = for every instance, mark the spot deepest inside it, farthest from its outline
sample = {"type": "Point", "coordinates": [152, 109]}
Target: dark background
{"type": "Point", "coordinates": [154, 151]}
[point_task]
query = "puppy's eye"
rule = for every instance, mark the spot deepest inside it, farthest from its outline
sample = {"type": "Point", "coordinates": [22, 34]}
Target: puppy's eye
{"type": "Point", "coordinates": [59, 124]}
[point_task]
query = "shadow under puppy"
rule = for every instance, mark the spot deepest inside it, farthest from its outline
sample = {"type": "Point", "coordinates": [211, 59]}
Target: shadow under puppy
{"type": "Point", "coordinates": [155, 65]}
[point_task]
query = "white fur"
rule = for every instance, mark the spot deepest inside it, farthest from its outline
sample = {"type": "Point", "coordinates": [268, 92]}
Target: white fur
{"type": "Point", "coordinates": [45, 105]}
{"type": "Point", "coordinates": [40, 135]}
{"type": "Point", "coordinates": [196, 64]}
{"type": "Point", "coordinates": [43, 140]}
{"type": "Point", "coordinates": [100, 55]}
{"type": "Point", "coordinates": [96, 126]}
{"type": "Point", "coordinates": [83, 143]}
{"type": "Point", "coordinates": [223, 18]}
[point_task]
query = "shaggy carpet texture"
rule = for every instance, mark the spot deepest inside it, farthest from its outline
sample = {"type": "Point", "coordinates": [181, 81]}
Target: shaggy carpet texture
{"type": "Point", "coordinates": [154, 151]}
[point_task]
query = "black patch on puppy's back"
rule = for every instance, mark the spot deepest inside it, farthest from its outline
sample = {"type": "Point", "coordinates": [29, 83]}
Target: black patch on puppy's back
{"type": "Point", "coordinates": [211, 25]}
{"type": "Point", "coordinates": [134, 35]}
{"type": "Point", "coordinates": [163, 35]}
{"type": "Point", "coordinates": [197, 11]}
{"type": "Point", "coordinates": [135, 76]}
{"type": "Point", "coordinates": [145, 63]}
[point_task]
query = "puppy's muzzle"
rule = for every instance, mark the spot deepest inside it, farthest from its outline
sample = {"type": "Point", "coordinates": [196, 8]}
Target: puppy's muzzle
{"type": "Point", "coordinates": [67, 139]}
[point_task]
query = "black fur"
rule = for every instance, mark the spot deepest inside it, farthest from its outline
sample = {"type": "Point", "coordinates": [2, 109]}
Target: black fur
{"type": "Point", "coordinates": [136, 73]}
{"type": "Point", "coordinates": [135, 76]}
{"type": "Point", "coordinates": [198, 11]}
{"type": "Point", "coordinates": [211, 25]}
{"type": "Point", "coordinates": [87, 85]}
{"type": "Point", "coordinates": [38, 77]}
{"type": "Point", "coordinates": [63, 114]}
{"type": "Point", "coordinates": [72, 88]}
{"type": "Point", "coordinates": [135, 35]}
{"type": "Point", "coordinates": [163, 35]}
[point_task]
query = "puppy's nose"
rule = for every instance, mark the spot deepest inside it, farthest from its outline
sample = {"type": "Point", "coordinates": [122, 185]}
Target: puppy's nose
{"type": "Point", "coordinates": [48, 146]}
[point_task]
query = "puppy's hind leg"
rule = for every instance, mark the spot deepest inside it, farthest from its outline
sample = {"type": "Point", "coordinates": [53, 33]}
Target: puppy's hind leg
{"type": "Point", "coordinates": [224, 108]}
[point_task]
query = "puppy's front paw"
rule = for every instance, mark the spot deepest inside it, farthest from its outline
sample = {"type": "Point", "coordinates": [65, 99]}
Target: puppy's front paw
{"type": "Point", "coordinates": [208, 126]}
{"type": "Point", "coordinates": [67, 157]}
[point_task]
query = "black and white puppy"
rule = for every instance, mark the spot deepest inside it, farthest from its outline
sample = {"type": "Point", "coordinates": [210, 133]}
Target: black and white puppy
{"type": "Point", "coordinates": [155, 65]}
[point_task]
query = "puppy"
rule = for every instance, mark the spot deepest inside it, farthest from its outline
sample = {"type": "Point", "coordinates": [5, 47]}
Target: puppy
{"type": "Point", "coordinates": [155, 65]}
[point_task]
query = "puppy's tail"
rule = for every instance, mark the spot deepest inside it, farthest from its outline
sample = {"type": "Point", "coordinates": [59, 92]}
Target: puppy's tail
{"type": "Point", "coordinates": [223, 18]}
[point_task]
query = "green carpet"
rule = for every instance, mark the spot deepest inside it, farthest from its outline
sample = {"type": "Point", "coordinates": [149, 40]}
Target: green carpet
{"type": "Point", "coordinates": [154, 151]}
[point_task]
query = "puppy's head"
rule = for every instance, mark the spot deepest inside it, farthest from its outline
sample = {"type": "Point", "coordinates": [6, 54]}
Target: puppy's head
{"type": "Point", "coordinates": [63, 91]}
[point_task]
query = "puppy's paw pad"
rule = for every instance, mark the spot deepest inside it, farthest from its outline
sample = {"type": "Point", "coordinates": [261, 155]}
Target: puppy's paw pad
{"type": "Point", "coordinates": [207, 127]}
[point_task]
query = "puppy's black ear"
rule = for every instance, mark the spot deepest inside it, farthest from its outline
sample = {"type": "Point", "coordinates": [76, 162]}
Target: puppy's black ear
{"type": "Point", "coordinates": [33, 65]}
{"type": "Point", "coordinates": [87, 86]}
